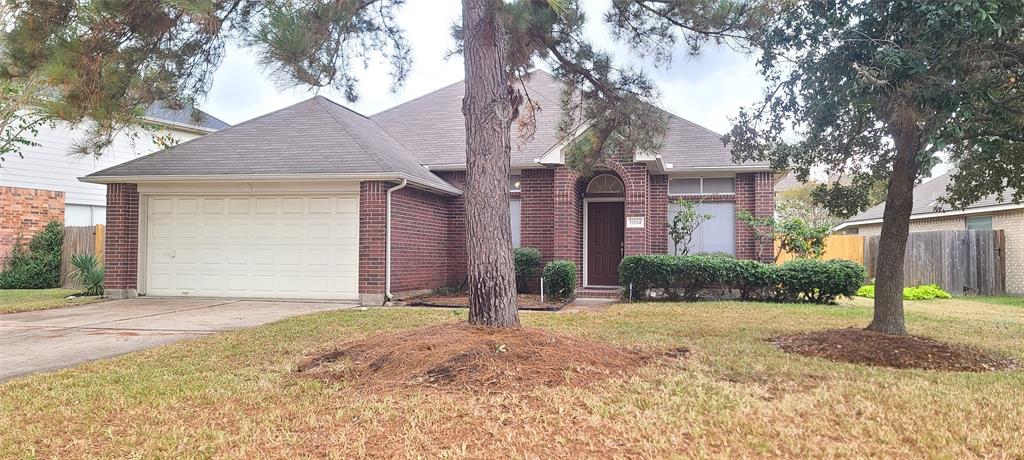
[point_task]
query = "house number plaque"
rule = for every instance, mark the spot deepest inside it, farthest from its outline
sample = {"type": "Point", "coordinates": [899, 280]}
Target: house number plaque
{"type": "Point", "coordinates": [634, 222]}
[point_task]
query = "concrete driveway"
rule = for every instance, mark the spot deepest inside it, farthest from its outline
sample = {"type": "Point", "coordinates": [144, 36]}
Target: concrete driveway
{"type": "Point", "coordinates": [64, 337]}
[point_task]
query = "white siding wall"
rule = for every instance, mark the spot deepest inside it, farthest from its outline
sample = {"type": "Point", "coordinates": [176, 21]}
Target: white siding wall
{"type": "Point", "coordinates": [50, 167]}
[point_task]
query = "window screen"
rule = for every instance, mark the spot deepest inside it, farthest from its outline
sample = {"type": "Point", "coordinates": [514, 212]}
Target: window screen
{"type": "Point", "coordinates": [715, 185]}
{"type": "Point", "coordinates": [979, 223]}
{"type": "Point", "coordinates": [515, 216]}
{"type": "Point", "coordinates": [684, 186]}
{"type": "Point", "coordinates": [717, 234]}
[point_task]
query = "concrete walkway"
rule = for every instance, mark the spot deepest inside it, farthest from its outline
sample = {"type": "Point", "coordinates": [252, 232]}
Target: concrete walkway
{"type": "Point", "coordinates": [64, 337]}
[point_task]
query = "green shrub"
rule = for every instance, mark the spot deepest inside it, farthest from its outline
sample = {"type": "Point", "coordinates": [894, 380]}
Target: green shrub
{"type": "Point", "coordinates": [560, 279]}
{"type": "Point", "coordinates": [690, 276]}
{"type": "Point", "coordinates": [649, 272]}
{"type": "Point", "coordinates": [38, 267]}
{"type": "Point", "coordinates": [820, 281]}
{"type": "Point", "coordinates": [89, 272]}
{"type": "Point", "coordinates": [922, 292]}
{"type": "Point", "coordinates": [527, 261]}
{"type": "Point", "coordinates": [867, 290]}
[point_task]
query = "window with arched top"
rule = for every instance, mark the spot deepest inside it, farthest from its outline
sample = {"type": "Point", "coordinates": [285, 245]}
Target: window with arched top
{"type": "Point", "coordinates": [605, 183]}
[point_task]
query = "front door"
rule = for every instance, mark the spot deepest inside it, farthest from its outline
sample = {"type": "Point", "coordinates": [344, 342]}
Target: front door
{"type": "Point", "coordinates": [605, 231]}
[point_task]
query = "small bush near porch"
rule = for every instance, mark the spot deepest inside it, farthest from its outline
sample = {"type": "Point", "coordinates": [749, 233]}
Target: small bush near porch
{"type": "Point", "coordinates": [235, 395]}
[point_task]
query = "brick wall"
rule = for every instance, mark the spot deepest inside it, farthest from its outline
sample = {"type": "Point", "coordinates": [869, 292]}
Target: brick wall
{"type": "Point", "coordinates": [121, 253]}
{"type": "Point", "coordinates": [1012, 224]}
{"type": "Point", "coordinates": [419, 241]}
{"type": "Point", "coordinates": [537, 213]}
{"type": "Point", "coordinates": [754, 194]}
{"type": "Point", "coordinates": [657, 216]}
{"type": "Point", "coordinates": [635, 176]}
{"type": "Point", "coordinates": [427, 239]}
{"type": "Point", "coordinates": [24, 212]}
{"type": "Point", "coordinates": [372, 225]}
{"type": "Point", "coordinates": [567, 240]}
{"type": "Point", "coordinates": [456, 228]}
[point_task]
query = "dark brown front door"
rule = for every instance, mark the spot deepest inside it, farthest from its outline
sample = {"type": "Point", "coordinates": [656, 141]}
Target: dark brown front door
{"type": "Point", "coordinates": [606, 228]}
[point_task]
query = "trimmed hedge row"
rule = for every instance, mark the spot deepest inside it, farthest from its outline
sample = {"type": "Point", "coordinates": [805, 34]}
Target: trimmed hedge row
{"type": "Point", "coordinates": [920, 292]}
{"type": "Point", "coordinates": [689, 277]}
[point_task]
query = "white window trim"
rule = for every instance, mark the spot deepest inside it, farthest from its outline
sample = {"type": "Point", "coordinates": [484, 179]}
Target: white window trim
{"type": "Point", "coordinates": [591, 182]}
{"type": "Point", "coordinates": [701, 179]}
{"type": "Point", "coordinates": [586, 246]}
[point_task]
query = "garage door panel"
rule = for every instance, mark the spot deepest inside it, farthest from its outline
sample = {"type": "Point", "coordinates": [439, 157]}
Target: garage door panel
{"type": "Point", "coordinates": [289, 247]}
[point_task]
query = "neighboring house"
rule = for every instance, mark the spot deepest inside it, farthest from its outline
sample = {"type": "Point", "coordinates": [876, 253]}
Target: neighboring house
{"type": "Point", "coordinates": [42, 183]}
{"type": "Point", "coordinates": [987, 214]}
{"type": "Point", "coordinates": [317, 201]}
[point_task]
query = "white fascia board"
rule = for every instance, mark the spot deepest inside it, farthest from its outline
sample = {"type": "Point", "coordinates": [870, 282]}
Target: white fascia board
{"type": "Point", "coordinates": [694, 170]}
{"type": "Point", "coordinates": [940, 214]}
{"type": "Point", "coordinates": [554, 155]}
{"type": "Point", "coordinates": [180, 126]}
{"type": "Point", "coordinates": [355, 177]}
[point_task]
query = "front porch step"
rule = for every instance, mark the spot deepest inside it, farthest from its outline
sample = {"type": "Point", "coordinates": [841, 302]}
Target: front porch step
{"type": "Point", "coordinates": [604, 293]}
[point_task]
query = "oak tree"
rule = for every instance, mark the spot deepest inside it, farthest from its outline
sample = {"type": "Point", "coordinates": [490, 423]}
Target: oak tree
{"type": "Point", "coordinates": [873, 90]}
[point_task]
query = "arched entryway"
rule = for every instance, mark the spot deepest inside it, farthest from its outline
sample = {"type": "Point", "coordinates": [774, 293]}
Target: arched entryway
{"type": "Point", "coordinates": [604, 230]}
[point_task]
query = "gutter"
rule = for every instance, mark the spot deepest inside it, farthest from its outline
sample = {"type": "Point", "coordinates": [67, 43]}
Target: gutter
{"type": "Point", "coordinates": [937, 215]}
{"type": "Point", "coordinates": [387, 241]}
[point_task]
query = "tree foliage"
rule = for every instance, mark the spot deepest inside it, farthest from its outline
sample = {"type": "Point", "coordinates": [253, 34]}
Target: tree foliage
{"type": "Point", "coordinates": [843, 74]}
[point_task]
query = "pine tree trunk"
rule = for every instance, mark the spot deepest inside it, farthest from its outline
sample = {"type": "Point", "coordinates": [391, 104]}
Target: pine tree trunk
{"type": "Point", "coordinates": [892, 243]}
{"type": "Point", "coordinates": [488, 111]}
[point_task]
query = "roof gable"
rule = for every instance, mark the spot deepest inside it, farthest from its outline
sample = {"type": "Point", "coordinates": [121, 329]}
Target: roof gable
{"type": "Point", "coordinates": [312, 137]}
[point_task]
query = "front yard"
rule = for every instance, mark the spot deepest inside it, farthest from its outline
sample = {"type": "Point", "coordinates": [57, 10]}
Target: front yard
{"type": "Point", "coordinates": [19, 300]}
{"type": "Point", "coordinates": [233, 395]}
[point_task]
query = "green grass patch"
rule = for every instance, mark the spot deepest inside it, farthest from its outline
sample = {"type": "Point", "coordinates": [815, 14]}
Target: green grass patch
{"type": "Point", "coordinates": [233, 395]}
{"type": "Point", "coordinates": [19, 300]}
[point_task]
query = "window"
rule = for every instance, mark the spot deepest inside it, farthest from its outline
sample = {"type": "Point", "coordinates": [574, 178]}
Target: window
{"type": "Point", "coordinates": [83, 215]}
{"type": "Point", "coordinates": [979, 223]}
{"type": "Point", "coordinates": [515, 216]}
{"type": "Point", "coordinates": [702, 186]}
{"type": "Point", "coordinates": [717, 234]}
{"type": "Point", "coordinates": [513, 182]}
{"type": "Point", "coordinates": [605, 183]}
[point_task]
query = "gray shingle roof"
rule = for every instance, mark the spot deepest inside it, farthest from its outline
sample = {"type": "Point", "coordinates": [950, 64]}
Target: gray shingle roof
{"type": "Point", "coordinates": [434, 125]}
{"type": "Point", "coordinates": [925, 196]}
{"type": "Point", "coordinates": [315, 136]}
{"type": "Point", "coordinates": [185, 116]}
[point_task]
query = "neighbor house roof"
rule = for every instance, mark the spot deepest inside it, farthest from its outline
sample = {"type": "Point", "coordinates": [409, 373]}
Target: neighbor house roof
{"type": "Point", "coordinates": [313, 138]}
{"type": "Point", "coordinates": [188, 117]}
{"type": "Point", "coordinates": [432, 127]}
{"type": "Point", "coordinates": [926, 204]}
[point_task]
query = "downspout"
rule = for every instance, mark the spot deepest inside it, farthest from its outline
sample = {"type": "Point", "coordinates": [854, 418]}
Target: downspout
{"type": "Point", "coordinates": [387, 241]}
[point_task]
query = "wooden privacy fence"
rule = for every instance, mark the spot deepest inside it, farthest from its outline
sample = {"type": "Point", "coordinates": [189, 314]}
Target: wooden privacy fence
{"type": "Point", "coordinates": [79, 240]}
{"type": "Point", "coordinates": [848, 247]}
{"type": "Point", "coordinates": [962, 262]}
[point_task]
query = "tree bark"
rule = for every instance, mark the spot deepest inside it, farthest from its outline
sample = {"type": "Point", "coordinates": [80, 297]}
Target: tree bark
{"type": "Point", "coordinates": [488, 109]}
{"type": "Point", "coordinates": [892, 243]}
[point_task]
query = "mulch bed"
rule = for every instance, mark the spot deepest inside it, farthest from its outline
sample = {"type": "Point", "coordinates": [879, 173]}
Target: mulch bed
{"type": "Point", "coordinates": [526, 302]}
{"type": "Point", "coordinates": [861, 346]}
{"type": "Point", "coordinates": [462, 357]}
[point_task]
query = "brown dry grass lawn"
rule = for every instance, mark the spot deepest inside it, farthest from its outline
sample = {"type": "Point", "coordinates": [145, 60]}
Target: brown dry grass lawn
{"type": "Point", "coordinates": [233, 395]}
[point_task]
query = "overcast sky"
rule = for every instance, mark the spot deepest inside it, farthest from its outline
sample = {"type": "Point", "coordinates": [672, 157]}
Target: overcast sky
{"type": "Point", "coordinates": [707, 90]}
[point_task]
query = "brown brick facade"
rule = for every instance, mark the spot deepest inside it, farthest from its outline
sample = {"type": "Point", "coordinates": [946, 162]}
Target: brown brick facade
{"type": "Point", "coordinates": [754, 194]}
{"type": "Point", "coordinates": [121, 256]}
{"type": "Point", "coordinates": [428, 229]}
{"type": "Point", "coordinates": [24, 212]}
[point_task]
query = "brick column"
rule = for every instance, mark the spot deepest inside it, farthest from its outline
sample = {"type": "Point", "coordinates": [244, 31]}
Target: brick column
{"type": "Point", "coordinates": [121, 243]}
{"type": "Point", "coordinates": [567, 240]}
{"type": "Point", "coordinates": [457, 258]}
{"type": "Point", "coordinates": [537, 217]}
{"type": "Point", "coordinates": [657, 216]}
{"type": "Point", "coordinates": [372, 227]}
{"type": "Point", "coordinates": [635, 179]}
{"type": "Point", "coordinates": [754, 194]}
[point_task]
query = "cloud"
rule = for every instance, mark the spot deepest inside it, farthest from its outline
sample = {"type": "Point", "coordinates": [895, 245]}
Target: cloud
{"type": "Point", "coordinates": [707, 90]}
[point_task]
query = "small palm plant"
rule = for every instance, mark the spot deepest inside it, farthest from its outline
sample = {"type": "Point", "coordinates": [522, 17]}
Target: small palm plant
{"type": "Point", "coordinates": [89, 272]}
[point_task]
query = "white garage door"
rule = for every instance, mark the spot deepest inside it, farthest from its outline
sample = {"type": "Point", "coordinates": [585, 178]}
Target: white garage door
{"type": "Point", "coordinates": [261, 246]}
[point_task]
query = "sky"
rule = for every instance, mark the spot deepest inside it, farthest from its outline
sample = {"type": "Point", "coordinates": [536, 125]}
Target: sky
{"type": "Point", "coordinates": [707, 90]}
